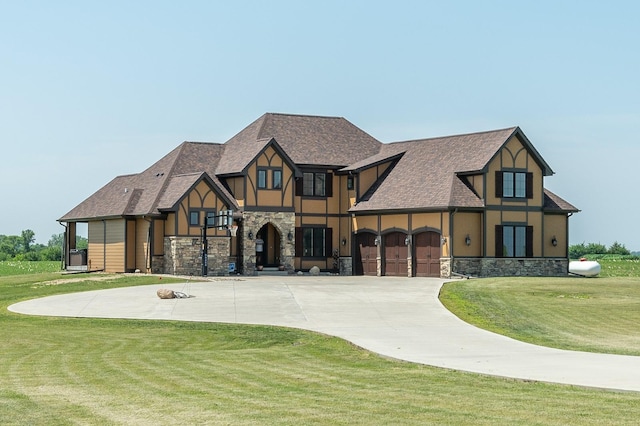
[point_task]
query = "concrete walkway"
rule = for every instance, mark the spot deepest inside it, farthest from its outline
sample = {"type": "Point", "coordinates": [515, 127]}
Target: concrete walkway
{"type": "Point", "coordinates": [396, 317]}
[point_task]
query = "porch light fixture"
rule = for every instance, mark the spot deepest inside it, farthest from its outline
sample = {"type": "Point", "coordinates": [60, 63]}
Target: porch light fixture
{"type": "Point", "coordinates": [344, 241]}
{"type": "Point", "coordinates": [290, 236]}
{"type": "Point", "coordinates": [554, 241]}
{"type": "Point", "coordinates": [250, 235]}
{"type": "Point", "coordinates": [467, 240]}
{"type": "Point", "coordinates": [377, 240]}
{"type": "Point", "coordinates": [443, 240]}
{"type": "Point", "coordinates": [407, 240]}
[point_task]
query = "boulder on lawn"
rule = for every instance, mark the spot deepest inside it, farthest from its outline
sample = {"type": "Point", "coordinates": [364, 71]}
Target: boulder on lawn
{"type": "Point", "coordinates": [164, 293]}
{"type": "Point", "coordinates": [314, 271]}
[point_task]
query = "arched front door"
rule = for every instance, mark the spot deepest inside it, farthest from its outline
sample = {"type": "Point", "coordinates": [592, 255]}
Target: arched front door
{"type": "Point", "coordinates": [427, 254]}
{"type": "Point", "coordinates": [270, 254]}
{"type": "Point", "coordinates": [395, 254]}
{"type": "Point", "coordinates": [366, 253]}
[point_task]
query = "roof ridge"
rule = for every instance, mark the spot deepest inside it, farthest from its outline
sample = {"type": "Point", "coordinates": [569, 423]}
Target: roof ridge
{"type": "Point", "coordinates": [482, 132]}
{"type": "Point", "coordinates": [284, 114]}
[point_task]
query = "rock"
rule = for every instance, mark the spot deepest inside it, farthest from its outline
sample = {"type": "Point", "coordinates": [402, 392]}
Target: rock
{"type": "Point", "coordinates": [300, 273]}
{"type": "Point", "coordinates": [164, 293]}
{"type": "Point", "coordinates": [314, 271]}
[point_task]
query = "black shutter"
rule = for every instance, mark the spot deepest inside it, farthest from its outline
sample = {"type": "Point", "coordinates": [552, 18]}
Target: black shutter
{"type": "Point", "coordinates": [499, 185]}
{"type": "Point", "coordinates": [299, 186]}
{"type": "Point", "coordinates": [499, 242]}
{"type": "Point", "coordinates": [328, 242]}
{"type": "Point", "coordinates": [298, 242]}
{"type": "Point", "coordinates": [328, 185]}
{"type": "Point", "coordinates": [529, 185]}
{"type": "Point", "coordinates": [529, 241]}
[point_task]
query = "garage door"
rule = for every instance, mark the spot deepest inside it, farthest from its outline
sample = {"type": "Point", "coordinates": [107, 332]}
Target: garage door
{"type": "Point", "coordinates": [366, 253]}
{"type": "Point", "coordinates": [427, 254]}
{"type": "Point", "coordinates": [395, 254]}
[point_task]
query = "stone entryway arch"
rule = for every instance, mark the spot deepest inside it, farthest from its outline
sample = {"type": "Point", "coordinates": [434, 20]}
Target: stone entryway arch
{"type": "Point", "coordinates": [277, 232]}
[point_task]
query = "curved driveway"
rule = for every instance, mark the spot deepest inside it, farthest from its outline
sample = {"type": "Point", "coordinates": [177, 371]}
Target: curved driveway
{"type": "Point", "coordinates": [396, 317]}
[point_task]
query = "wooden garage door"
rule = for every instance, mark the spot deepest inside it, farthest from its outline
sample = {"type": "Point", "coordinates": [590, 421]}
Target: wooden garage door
{"type": "Point", "coordinates": [427, 254]}
{"type": "Point", "coordinates": [366, 253]}
{"type": "Point", "coordinates": [395, 254]}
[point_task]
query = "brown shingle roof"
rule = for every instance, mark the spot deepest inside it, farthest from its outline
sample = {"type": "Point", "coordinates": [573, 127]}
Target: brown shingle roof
{"type": "Point", "coordinates": [308, 140]}
{"type": "Point", "coordinates": [426, 177]}
{"type": "Point", "coordinates": [553, 202]}
{"type": "Point", "coordinates": [155, 188]}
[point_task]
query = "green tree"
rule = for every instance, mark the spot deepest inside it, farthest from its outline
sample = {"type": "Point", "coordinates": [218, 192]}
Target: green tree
{"type": "Point", "coordinates": [28, 238]}
{"type": "Point", "coordinates": [617, 248]}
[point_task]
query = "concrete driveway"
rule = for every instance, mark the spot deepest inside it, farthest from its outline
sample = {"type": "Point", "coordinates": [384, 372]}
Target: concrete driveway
{"type": "Point", "coordinates": [396, 317]}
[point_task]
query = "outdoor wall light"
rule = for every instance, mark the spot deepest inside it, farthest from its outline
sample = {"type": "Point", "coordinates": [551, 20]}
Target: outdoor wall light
{"type": "Point", "coordinates": [344, 241]}
{"type": "Point", "coordinates": [377, 240]}
{"type": "Point", "coordinates": [407, 240]}
{"type": "Point", "coordinates": [290, 236]}
{"type": "Point", "coordinates": [467, 240]}
{"type": "Point", "coordinates": [554, 241]}
{"type": "Point", "coordinates": [443, 240]}
{"type": "Point", "coordinates": [250, 235]}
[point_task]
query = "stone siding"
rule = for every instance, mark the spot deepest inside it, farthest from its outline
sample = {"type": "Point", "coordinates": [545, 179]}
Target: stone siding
{"type": "Point", "coordinates": [502, 267]}
{"type": "Point", "coordinates": [346, 266]}
{"type": "Point", "coordinates": [285, 224]}
{"type": "Point", "coordinates": [183, 256]}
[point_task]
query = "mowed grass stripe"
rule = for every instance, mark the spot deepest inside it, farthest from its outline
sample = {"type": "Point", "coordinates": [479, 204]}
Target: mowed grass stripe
{"type": "Point", "coordinates": [94, 371]}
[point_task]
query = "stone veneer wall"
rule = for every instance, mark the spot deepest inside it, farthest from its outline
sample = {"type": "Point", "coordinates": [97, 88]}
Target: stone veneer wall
{"type": "Point", "coordinates": [346, 266]}
{"type": "Point", "coordinates": [285, 224]}
{"type": "Point", "coordinates": [500, 267]}
{"type": "Point", "coordinates": [183, 256]}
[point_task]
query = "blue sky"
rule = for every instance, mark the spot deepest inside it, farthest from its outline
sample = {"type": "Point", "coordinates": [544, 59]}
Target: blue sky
{"type": "Point", "coordinates": [92, 90]}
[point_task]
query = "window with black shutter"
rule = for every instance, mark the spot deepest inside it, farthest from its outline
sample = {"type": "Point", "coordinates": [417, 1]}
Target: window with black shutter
{"type": "Point", "coordinates": [514, 241]}
{"type": "Point", "coordinates": [313, 242]}
{"type": "Point", "coordinates": [514, 184]}
{"type": "Point", "coordinates": [315, 184]}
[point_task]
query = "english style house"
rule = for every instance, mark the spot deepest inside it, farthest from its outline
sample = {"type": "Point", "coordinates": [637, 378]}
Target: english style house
{"type": "Point", "coordinates": [295, 191]}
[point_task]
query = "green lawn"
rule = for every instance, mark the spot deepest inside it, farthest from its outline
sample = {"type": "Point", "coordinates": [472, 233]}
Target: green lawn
{"type": "Point", "coordinates": [59, 371]}
{"type": "Point", "coordinates": [589, 314]}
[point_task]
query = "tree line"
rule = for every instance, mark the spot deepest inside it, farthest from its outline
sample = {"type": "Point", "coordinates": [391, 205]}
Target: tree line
{"type": "Point", "coordinates": [577, 251]}
{"type": "Point", "coordinates": [24, 247]}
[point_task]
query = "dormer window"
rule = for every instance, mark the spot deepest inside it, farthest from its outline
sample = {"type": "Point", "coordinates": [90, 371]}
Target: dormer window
{"type": "Point", "coordinates": [514, 184]}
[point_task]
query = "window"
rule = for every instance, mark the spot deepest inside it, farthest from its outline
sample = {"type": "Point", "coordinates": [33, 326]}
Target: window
{"type": "Point", "coordinates": [315, 184]}
{"type": "Point", "coordinates": [262, 178]}
{"type": "Point", "coordinates": [514, 184]}
{"type": "Point", "coordinates": [194, 218]}
{"type": "Point", "coordinates": [514, 241]}
{"type": "Point", "coordinates": [277, 179]}
{"type": "Point", "coordinates": [313, 242]}
{"type": "Point", "coordinates": [350, 185]}
{"type": "Point", "coordinates": [211, 219]}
